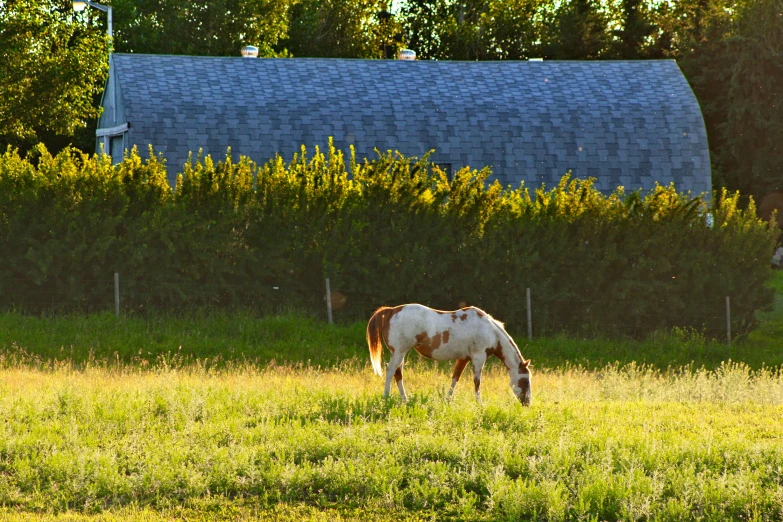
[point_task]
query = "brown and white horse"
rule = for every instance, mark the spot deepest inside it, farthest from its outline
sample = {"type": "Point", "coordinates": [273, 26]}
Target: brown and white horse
{"type": "Point", "coordinates": [467, 334]}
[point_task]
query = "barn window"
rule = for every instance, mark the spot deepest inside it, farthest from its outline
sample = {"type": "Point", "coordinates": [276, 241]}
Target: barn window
{"type": "Point", "coordinates": [114, 141]}
{"type": "Point", "coordinates": [117, 148]}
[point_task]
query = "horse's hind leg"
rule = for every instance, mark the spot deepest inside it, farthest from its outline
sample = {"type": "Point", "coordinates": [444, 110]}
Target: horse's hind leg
{"type": "Point", "coordinates": [398, 378]}
{"type": "Point", "coordinates": [395, 363]}
{"type": "Point", "coordinates": [458, 369]}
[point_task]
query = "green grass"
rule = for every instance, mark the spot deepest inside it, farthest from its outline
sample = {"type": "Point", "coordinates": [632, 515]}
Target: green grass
{"type": "Point", "coordinates": [218, 337]}
{"type": "Point", "coordinates": [230, 416]}
{"type": "Point", "coordinates": [628, 443]}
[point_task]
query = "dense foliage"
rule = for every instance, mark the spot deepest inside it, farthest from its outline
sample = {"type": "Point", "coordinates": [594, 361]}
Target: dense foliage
{"type": "Point", "coordinates": [729, 50]}
{"type": "Point", "coordinates": [52, 66]}
{"type": "Point", "coordinates": [736, 70]}
{"type": "Point", "coordinates": [214, 28]}
{"type": "Point", "coordinates": [385, 231]}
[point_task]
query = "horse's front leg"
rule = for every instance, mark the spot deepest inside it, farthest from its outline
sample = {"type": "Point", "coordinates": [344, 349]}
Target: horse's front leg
{"type": "Point", "coordinates": [478, 366]}
{"type": "Point", "coordinates": [394, 369]}
{"type": "Point", "coordinates": [458, 369]}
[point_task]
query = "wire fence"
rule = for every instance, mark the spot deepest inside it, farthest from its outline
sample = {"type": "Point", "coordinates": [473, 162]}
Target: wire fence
{"type": "Point", "coordinates": [534, 314]}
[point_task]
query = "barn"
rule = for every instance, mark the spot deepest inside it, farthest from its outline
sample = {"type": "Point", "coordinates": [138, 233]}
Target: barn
{"type": "Point", "coordinates": [630, 123]}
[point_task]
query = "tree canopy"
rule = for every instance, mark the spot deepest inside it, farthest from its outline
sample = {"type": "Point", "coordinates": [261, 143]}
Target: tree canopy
{"type": "Point", "coordinates": [214, 28]}
{"type": "Point", "coordinates": [53, 63]}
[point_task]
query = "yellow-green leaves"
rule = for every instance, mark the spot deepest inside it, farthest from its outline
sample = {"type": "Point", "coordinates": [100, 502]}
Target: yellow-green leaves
{"type": "Point", "coordinates": [385, 230]}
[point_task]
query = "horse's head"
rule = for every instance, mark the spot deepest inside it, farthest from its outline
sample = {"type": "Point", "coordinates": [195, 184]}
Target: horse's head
{"type": "Point", "coordinates": [524, 383]}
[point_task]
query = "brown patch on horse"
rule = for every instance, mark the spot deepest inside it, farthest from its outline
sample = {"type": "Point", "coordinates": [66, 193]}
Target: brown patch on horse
{"type": "Point", "coordinates": [425, 344]}
{"type": "Point", "coordinates": [459, 368]}
{"type": "Point", "coordinates": [523, 370]}
{"type": "Point", "coordinates": [463, 317]}
{"type": "Point", "coordinates": [398, 375]}
{"type": "Point", "coordinates": [454, 317]}
{"type": "Point", "coordinates": [497, 351]}
{"type": "Point", "coordinates": [446, 337]}
{"type": "Point", "coordinates": [477, 383]}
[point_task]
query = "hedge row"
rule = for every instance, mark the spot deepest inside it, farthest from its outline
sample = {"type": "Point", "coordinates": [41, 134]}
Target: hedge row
{"type": "Point", "coordinates": [385, 231]}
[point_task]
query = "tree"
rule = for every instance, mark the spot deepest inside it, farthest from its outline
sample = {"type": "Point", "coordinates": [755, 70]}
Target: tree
{"type": "Point", "coordinates": [732, 54]}
{"type": "Point", "coordinates": [214, 28]}
{"type": "Point", "coordinates": [631, 41]}
{"type": "Point", "coordinates": [515, 29]}
{"type": "Point", "coordinates": [343, 29]}
{"type": "Point", "coordinates": [423, 23]}
{"type": "Point", "coordinates": [466, 34]}
{"type": "Point", "coordinates": [579, 31]}
{"type": "Point", "coordinates": [751, 128]}
{"type": "Point", "coordinates": [52, 66]}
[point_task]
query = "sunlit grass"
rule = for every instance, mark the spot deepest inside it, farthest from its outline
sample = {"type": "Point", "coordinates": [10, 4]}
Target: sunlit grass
{"type": "Point", "coordinates": [211, 416]}
{"type": "Point", "coordinates": [618, 443]}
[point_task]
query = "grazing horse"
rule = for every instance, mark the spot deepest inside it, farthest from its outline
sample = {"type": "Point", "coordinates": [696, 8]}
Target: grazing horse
{"type": "Point", "coordinates": [467, 334]}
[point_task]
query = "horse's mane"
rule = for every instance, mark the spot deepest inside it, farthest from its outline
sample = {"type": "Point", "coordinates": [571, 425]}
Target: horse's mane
{"type": "Point", "coordinates": [497, 322]}
{"type": "Point", "coordinates": [502, 327]}
{"type": "Point", "coordinates": [491, 319]}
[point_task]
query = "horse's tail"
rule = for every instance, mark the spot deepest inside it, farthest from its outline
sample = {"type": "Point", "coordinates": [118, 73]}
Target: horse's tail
{"type": "Point", "coordinates": [375, 334]}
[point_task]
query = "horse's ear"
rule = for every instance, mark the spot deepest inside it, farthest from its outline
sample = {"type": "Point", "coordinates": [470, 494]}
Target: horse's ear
{"type": "Point", "coordinates": [526, 363]}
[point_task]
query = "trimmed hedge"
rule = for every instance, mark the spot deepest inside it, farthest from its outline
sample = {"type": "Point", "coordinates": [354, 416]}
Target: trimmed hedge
{"type": "Point", "coordinates": [385, 231]}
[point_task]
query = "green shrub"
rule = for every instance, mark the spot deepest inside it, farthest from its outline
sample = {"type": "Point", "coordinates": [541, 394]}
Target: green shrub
{"type": "Point", "coordinates": [385, 231]}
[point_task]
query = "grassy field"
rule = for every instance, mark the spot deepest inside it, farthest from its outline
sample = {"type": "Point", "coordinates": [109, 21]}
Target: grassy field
{"type": "Point", "coordinates": [622, 443]}
{"type": "Point", "coordinates": [218, 337]}
{"type": "Point", "coordinates": [282, 419]}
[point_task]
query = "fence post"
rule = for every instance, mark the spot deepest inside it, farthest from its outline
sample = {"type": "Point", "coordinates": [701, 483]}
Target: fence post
{"type": "Point", "coordinates": [328, 301]}
{"type": "Point", "coordinates": [529, 319]}
{"type": "Point", "coordinates": [117, 293]}
{"type": "Point", "coordinates": [728, 320]}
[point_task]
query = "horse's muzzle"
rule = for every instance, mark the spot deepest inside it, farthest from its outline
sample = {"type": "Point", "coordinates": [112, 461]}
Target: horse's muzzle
{"type": "Point", "coordinates": [526, 400]}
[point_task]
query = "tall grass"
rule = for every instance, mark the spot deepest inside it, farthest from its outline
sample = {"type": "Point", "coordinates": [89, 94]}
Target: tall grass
{"type": "Point", "coordinates": [233, 416]}
{"type": "Point", "coordinates": [626, 442]}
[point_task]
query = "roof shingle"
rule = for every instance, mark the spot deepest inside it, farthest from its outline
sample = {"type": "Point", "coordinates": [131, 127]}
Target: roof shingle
{"type": "Point", "coordinates": [624, 122]}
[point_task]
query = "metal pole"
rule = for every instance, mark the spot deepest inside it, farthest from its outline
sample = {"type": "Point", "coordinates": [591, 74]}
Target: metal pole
{"type": "Point", "coordinates": [109, 26]}
{"type": "Point", "coordinates": [529, 319]}
{"type": "Point", "coordinates": [117, 293]}
{"type": "Point", "coordinates": [328, 301]}
{"type": "Point", "coordinates": [728, 321]}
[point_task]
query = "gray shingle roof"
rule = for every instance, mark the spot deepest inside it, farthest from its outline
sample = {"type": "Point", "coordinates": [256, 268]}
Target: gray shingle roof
{"type": "Point", "coordinates": [628, 123]}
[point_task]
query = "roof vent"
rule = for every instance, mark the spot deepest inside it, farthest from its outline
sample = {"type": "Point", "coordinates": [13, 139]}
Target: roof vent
{"type": "Point", "coordinates": [250, 51]}
{"type": "Point", "coordinates": [407, 54]}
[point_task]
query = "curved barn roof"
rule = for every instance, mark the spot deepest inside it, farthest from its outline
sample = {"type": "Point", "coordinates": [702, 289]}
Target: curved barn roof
{"type": "Point", "coordinates": [628, 123]}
